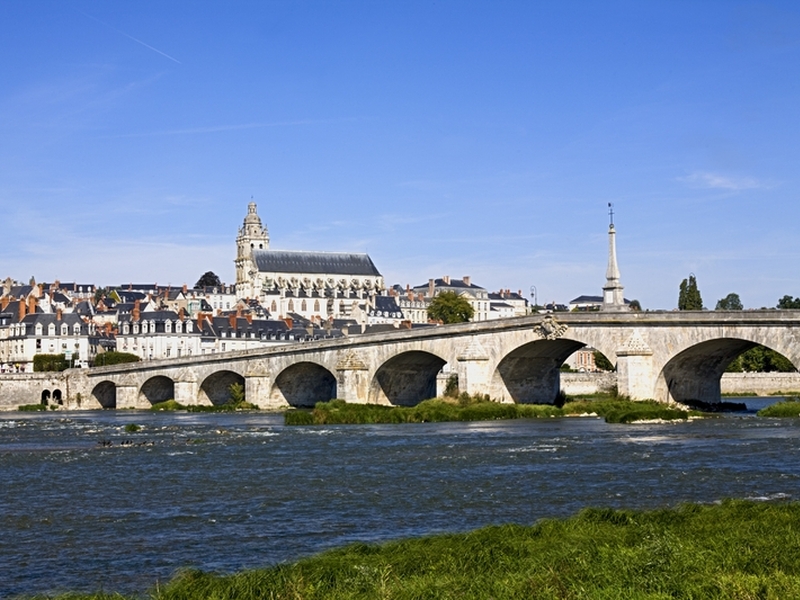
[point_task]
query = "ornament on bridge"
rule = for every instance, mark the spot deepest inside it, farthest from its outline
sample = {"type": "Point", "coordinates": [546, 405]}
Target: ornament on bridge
{"type": "Point", "coordinates": [550, 329]}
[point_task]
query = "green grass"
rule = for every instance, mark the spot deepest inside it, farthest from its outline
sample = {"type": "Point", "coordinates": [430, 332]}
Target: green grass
{"type": "Point", "coordinates": [788, 408]}
{"type": "Point", "coordinates": [735, 550]}
{"type": "Point", "coordinates": [132, 427]}
{"type": "Point", "coordinates": [167, 405]}
{"type": "Point", "coordinates": [31, 407]}
{"type": "Point", "coordinates": [338, 412]}
{"type": "Point", "coordinates": [613, 409]}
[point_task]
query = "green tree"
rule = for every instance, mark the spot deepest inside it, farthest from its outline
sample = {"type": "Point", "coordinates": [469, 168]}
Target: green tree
{"type": "Point", "coordinates": [730, 302]}
{"type": "Point", "coordinates": [50, 362]}
{"type": "Point", "coordinates": [689, 297]}
{"type": "Point", "coordinates": [208, 279]}
{"type": "Point", "coordinates": [635, 306]}
{"type": "Point", "coordinates": [449, 307]}
{"type": "Point", "coordinates": [112, 357]}
{"type": "Point", "coordinates": [761, 360]}
{"type": "Point", "coordinates": [789, 302]}
{"type": "Point", "coordinates": [601, 362]}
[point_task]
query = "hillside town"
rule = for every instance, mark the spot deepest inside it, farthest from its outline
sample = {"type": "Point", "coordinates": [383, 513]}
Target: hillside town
{"type": "Point", "coordinates": [279, 297]}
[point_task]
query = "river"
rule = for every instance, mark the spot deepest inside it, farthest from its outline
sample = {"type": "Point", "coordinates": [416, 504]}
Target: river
{"type": "Point", "coordinates": [87, 505]}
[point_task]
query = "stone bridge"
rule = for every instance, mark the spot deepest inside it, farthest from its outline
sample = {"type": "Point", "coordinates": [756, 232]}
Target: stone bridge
{"type": "Point", "coordinates": [667, 356]}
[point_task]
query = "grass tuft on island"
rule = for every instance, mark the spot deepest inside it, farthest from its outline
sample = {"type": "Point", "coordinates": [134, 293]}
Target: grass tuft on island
{"type": "Point", "coordinates": [170, 405]}
{"type": "Point", "coordinates": [788, 408]}
{"type": "Point", "coordinates": [733, 550]}
{"type": "Point", "coordinates": [479, 408]}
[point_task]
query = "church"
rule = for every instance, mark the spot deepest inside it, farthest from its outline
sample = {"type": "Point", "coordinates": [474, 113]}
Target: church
{"type": "Point", "coordinates": [314, 285]}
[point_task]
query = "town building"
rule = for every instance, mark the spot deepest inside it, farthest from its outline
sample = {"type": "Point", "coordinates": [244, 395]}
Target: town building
{"type": "Point", "coordinates": [477, 296]}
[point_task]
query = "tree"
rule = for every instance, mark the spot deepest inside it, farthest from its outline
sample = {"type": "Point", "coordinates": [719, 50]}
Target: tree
{"type": "Point", "coordinates": [761, 360]}
{"type": "Point", "coordinates": [112, 357]}
{"type": "Point", "coordinates": [601, 362]}
{"type": "Point", "coordinates": [209, 279]}
{"type": "Point", "coordinates": [635, 306]}
{"type": "Point", "coordinates": [449, 307]}
{"type": "Point", "coordinates": [789, 302]}
{"type": "Point", "coordinates": [689, 297]}
{"type": "Point", "coordinates": [730, 302]}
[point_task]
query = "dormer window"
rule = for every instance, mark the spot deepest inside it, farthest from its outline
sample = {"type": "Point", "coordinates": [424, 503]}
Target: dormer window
{"type": "Point", "coordinates": [64, 329]}
{"type": "Point", "coordinates": [167, 327]}
{"type": "Point", "coordinates": [135, 328]}
{"type": "Point", "coordinates": [126, 329]}
{"type": "Point", "coordinates": [38, 329]}
{"type": "Point", "coordinates": [51, 329]}
{"type": "Point", "coordinates": [76, 329]}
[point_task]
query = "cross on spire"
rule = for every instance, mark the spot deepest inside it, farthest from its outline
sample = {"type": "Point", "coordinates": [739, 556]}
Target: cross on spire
{"type": "Point", "coordinates": [611, 213]}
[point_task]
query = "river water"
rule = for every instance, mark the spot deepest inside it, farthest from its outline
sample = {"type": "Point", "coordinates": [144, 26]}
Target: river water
{"type": "Point", "coordinates": [86, 505]}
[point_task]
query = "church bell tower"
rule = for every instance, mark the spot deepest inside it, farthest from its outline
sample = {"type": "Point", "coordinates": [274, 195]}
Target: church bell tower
{"type": "Point", "coordinates": [252, 236]}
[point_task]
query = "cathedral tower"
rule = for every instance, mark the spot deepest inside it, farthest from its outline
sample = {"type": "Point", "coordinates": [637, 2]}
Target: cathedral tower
{"type": "Point", "coordinates": [252, 236]}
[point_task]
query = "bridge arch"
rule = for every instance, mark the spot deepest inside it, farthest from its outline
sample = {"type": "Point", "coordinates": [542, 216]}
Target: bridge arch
{"type": "Point", "coordinates": [406, 379]}
{"type": "Point", "coordinates": [216, 388]}
{"type": "Point", "coordinates": [105, 394]}
{"type": "Point", "coordinates": [695, 372]}
{"type": "Point", "coordinates": [530, 374]}
{"type": "Point", "coordinates": [303, 384]}
{"type": "Point", "coordinates": [45, 397]}
{"type": "Point", "coordinates": [157, 389]}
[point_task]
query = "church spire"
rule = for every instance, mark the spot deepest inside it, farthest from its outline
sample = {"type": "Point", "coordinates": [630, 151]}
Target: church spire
{"type": "Point", "coordinates": [613, 299]}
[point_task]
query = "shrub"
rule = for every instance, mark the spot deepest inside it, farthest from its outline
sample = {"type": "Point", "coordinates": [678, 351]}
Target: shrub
{"type": "Point", "coordinates": [132, 427]}
{"type": "Point", "coordinates": [114, 358]}
{"type": "Point", "coordinates": [31, 407]}
{"type": "Point", "coordinates": [50, 362]}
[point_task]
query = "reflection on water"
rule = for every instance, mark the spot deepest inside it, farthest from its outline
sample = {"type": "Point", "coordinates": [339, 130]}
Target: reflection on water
{"type": "Point", "coordinates": [86, 504]}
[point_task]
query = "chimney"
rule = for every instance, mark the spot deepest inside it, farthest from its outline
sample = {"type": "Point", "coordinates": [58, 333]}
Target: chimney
{"type": "Point", "coordinates": [58, 314]}
{"type": "Point", "coordinates": [136, 312]}
{"type": "Point", "coordinates": [108, 327]}
{"type": "Point", "coordinates": [4, 302]}
{"type": "Point", "coordinates": [431, 287]}
{"type": "Point", "coordinates": [289, 322]}
{"type": "Point", "coordinates": [21, 306]}
{"type": "Point", "coordinates": [232, 321]}
{"type": "Point", "coordinates": [249, 317]}
{"type": "Point", "coordinates": [310, 329]}
{"type": "Point", "coordinates": [466, 280]}
{"type": "Point", "coordinates": [185, 289]}
{"type": "Point", "coordinates": [446, 279]}
{"type": "Point", "coordinates": [200, 318]}
{"type": "Point", "coordinates": [31, 305]}
{"type": "Point", "coordinates": [182, 314]}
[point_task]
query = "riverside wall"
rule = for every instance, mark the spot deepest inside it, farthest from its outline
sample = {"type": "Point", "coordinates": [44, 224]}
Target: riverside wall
{"type": "Point", "coordinates": [578, 384]}
{"type": "Point", "coordinates": [761, 384]}
{"type": "Point", "coordinates": [17, 389]}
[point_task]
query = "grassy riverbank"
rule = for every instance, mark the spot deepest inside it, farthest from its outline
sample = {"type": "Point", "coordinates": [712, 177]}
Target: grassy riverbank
{"type": "Point", "coordinates": [788, 408]}
{"type": "Point", "coordinates": [613, 409]}
{"type": "Point", "coordinates": [734, 550]}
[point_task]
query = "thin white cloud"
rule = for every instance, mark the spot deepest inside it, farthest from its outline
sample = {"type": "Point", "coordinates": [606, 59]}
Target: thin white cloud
{"type": "Point", "coordinates": [221, 128]}
{"type": "Point", "coordinates": [130, 37]}
{"type": "Point", "coordinates": [716, 181]}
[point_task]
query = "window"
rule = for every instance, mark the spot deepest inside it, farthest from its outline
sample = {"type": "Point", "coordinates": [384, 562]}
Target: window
{"type": "Point", "coordinates": [316, 305]}
{"type": "Point", "coordinates": [303, 306]}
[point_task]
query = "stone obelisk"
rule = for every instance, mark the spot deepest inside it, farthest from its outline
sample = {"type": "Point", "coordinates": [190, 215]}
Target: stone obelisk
{"type": "Point", "coordinates": [613, 300]}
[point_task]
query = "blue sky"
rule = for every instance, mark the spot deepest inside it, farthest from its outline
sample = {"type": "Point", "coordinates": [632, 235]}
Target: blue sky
{"type": "Point", "coordinates": [444, 138]}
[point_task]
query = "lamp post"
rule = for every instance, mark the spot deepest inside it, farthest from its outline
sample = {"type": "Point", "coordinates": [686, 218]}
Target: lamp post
{"type": "Point", "coordinates": [533, 295]}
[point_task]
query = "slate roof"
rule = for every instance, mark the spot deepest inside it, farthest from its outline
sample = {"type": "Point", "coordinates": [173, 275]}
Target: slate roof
{"type": "Point", "coordinates": [334, 263]}
{"type": "Point", "coordinates": [386, 306]}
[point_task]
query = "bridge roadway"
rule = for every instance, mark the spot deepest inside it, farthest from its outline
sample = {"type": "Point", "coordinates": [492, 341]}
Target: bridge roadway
{"type": "Point", "coordinates": [667, 356]}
